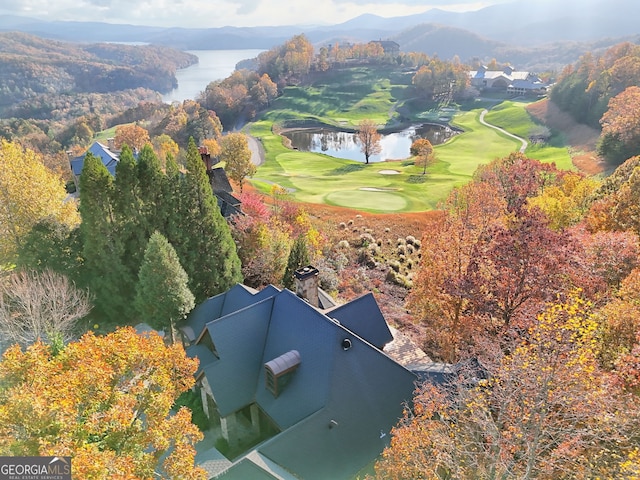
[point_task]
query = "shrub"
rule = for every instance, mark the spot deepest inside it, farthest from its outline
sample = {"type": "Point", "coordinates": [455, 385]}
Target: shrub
{"type": "Point", "coordinates": [395, 266]}
{"type": "Point", "coordinates": [410, 249]}
{"type": "Point", "coordinates": [366, 239]}
{"type": "Point", "coordinates": [343, 244]}
{"type": "Point", "coordinates": [417, 244]}
{"type": "Point", "coordinates": [402, 250]}
{"type": "Point", "coordinates": [410, 240]}
{"type": "Point", "coordinates": [400, 241]}
{"type": "Point", "coordinates": [342, 226]}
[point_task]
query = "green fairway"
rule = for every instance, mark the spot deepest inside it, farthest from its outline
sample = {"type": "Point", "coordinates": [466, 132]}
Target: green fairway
{"type": "Point", "coordinates": [345, 97]}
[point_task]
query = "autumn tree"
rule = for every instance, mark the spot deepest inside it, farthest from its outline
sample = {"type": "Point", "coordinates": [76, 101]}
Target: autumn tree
{"type": "Point", "coordinates": [369, 139]}
{"type": "Point", "coordinates": [423, 151]}
{"type": "Point", "coordinates": [567, 202]}
{"type": "Point", "coordinates": [519, 267]}
{"type": "Point", "coordinates": [621, 126]}
{"type": "Point", "coordinates": [162, 295]}
{"type": "Point", "coordinates": [439, 299]}
{"type": "Point", "coordinates": [517, 178]}
{"type": "Point", "coordinates": [43, 306]}
{"type": "Point", "coordinates": [104, 400]}
{"type": "Point", "coordinates": [264, 91]}
{"type": "Point", "coordinates": [131, 134]}
{"type": "Point", "coordinates": [236, 155]}
{"type": "Point", "coordinates": [29, 192]}
{"type": "Point", "coordinates": [164, 145]}
{"type": "Point", "coordinates": [544, 410]}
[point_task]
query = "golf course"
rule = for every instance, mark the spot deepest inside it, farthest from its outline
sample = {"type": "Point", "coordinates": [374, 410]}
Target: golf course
{"type": "Point", "coordinates": [344, 97]}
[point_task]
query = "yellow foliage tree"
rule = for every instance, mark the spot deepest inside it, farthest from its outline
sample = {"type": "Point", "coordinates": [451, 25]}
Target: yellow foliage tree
{"type": "Point", "coordinates": [29, 192]}
{"type": "Point", "coordinates": [104, 401]}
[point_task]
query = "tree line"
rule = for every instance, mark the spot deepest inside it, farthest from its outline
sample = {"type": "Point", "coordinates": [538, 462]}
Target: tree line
{"type": "Point", "coordinates": [528, 284]}
{"type": "Point", "coordinates": [602, 91]}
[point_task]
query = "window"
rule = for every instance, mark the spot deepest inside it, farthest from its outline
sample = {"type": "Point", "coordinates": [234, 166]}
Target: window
{"type": "Point", "coordinates": [206, 340]}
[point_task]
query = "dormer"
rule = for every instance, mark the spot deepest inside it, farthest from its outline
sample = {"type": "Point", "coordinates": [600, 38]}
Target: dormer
{"type": "Point", "coordinates": [278, 372]}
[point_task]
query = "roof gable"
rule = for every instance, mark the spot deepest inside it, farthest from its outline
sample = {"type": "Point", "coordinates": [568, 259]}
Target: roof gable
{"type": "Point", "coordinates": [239, 338]}
{"type": "Point", "coordinates": [363, 317]}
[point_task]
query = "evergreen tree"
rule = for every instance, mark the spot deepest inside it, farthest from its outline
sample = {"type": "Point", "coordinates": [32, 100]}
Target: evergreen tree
{"type": "Point", "coordinates": [103, 270]}
{"type": "Point", "coordinates": [298, 257]}
{"type": "Point", "coordinates": [150, 180]}
{"type": "Point", "coordinates": [162, 295]}
{"type": "Point", "coordinates": [168, 209]}
{"type": "Point", "coordinates": [52, 245]}
{"type": "Point", "coordinates": [206, 250]}
{"type": "Point", "coordinates": [128, 223]}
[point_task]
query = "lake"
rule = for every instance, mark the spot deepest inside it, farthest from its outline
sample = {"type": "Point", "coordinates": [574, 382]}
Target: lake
{"type": "Point", "coordinates": [213, 65]}
{"type": "Point", "coordinates": [339, 144]}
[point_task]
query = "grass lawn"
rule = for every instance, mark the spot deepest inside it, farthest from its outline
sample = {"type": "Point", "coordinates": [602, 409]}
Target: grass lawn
{"type": "Point", "coordinates": [343, 98]}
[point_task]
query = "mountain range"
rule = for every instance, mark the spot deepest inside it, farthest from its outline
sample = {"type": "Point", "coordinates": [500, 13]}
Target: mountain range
{"type": "Point", "coordinates": [542, 33]}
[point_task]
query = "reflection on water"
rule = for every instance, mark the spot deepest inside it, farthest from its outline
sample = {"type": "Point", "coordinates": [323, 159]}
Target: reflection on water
{"type": "Point", "coordinates": [340, 144]}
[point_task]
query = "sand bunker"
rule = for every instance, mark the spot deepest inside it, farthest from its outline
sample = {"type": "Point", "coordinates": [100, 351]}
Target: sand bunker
{"type": "Point", "coordinates": [376, 189]}
{"type": "Point", "coordinates": [389, 172]}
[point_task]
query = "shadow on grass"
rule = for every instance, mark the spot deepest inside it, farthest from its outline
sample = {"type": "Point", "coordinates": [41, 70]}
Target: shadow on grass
{"type": "Point", "coordinates": [352, 167]}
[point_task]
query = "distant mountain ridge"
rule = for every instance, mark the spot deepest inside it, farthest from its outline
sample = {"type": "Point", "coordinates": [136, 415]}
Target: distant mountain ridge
{"type": "Point", "coordinates": [491, 32]}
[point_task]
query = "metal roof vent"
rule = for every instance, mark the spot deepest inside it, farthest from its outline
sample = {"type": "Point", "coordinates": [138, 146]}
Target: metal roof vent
{"type": "Point", "coordinates": [346, 344]}
{"type": "Point", "coordinates": [278, 371]}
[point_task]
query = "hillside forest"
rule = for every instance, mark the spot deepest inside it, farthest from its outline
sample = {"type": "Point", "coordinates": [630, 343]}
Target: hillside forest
{"type": "Point", "coordinates": [526, 278]}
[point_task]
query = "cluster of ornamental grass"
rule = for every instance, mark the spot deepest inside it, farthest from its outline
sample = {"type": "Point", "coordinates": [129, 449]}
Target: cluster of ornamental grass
{"type": "Point", "coordinates": [400, 256]}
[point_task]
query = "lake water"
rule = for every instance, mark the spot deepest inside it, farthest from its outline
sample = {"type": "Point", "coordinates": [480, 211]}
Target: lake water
{"type": "Point", "coordinates": [339, 144]}
{"type": "Point", "coordinates": [213, 65]}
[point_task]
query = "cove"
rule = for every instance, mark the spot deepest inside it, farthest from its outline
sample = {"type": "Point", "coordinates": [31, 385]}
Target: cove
{"type": "Point", "coordinates": [341, 144]}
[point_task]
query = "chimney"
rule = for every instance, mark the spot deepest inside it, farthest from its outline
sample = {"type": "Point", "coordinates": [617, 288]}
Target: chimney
{"type": "Point", "coordinates": [111, 144]}
{"type": "Point", "coordinates": [307, 284]}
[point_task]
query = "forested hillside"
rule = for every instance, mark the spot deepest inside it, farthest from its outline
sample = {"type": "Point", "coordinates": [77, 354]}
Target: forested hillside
{"type": "Point", "coordinates": [34, 67]}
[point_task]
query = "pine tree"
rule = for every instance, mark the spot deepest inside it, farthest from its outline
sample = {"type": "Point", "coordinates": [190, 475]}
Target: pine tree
{"type": "Point", "coordinates": [162, 295]}
{"type": "Point", "coordinates": [128, 221]}
{"type": "Point", "coordinates": [102, 268]}
{"type": "Point", "coordinates": [150, 180]}
{"type": "Point", "coordinates": [207, 250]}
{"type": "Point", "coordinates": [298, 257]}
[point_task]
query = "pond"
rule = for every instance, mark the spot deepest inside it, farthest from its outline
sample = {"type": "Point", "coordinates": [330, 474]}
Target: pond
{"type": "Point", "coordinates": [339, 144]}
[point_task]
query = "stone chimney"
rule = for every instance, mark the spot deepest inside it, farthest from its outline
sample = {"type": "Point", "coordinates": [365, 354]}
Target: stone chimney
{"type": "Point", "coordinates": [307, 284]}
{"type": "Point", "coordinates": [111, 144]}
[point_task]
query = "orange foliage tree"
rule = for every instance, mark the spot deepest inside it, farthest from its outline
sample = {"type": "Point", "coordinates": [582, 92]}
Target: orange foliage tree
{"type": "Point", "coordinates": [438, 297]}
{"type": "Point", "coordinates": [133, 135]}
{"type": "Point", "coordinates": [105, 401]}
{"type": "Point", "coordinates": [545, 410]}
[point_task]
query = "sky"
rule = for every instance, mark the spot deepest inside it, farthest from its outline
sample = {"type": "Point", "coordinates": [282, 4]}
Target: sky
{"type": "Point", "coordinates": [220, 13]}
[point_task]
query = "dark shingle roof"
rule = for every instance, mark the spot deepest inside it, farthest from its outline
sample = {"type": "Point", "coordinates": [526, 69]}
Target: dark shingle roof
{"type": "Point", "coordinates": [109, 159]}
{"type": "Point", "coordinates": [338, 407]}
{"type": "Point", "coordinates": [363, 317]}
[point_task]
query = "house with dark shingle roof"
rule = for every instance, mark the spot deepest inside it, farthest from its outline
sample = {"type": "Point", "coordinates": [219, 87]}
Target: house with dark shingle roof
{"type": "Point", "coordinates": [309, 386]}
{"type": "Point", "coordinates": [106, 153]}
